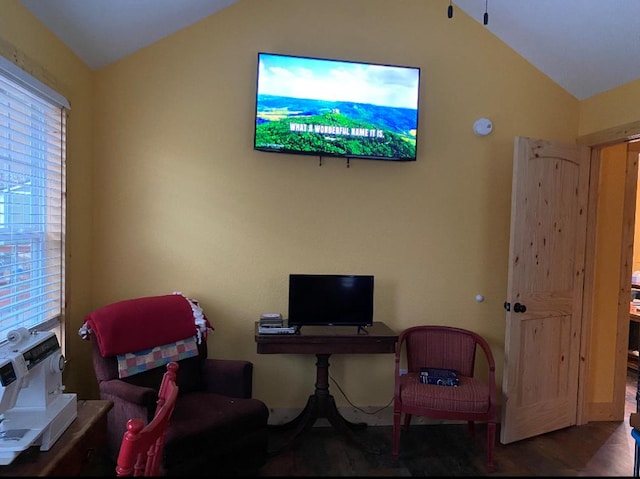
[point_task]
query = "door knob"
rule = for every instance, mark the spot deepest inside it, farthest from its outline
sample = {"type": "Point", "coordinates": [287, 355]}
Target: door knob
{"type": "Point", "coordinates": [519, 308]}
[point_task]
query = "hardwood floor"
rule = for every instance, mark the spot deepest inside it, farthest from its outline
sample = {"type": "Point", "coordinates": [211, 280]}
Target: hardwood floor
{"type": "Point", "coordinates": [595, 449]}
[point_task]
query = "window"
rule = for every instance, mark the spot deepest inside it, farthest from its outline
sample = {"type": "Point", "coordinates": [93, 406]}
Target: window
{"type": "Point", "coordinates": [32, 201]}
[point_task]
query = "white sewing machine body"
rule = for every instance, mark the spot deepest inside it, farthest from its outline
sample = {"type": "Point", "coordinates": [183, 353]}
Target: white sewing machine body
{"type": "Point", "coordinates": [34, 410]}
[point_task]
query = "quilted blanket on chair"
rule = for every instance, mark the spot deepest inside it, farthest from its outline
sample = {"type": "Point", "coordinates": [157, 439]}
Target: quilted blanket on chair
{"type": "Point", "coordinates": [140, 361]}
{"type": "Point", "coordinates": [145, 323]}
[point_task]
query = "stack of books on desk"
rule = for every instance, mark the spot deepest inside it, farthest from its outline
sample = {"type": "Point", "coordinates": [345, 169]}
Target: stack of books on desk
{"type": "Point", "coordinates": [271, 320]}
{"type": "Point", "coordinates": [272, 323]}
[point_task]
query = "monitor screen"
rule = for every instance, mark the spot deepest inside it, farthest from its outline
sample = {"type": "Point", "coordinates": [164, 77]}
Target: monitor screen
{"type": "Point", "coordinates": [325, 107]}
{"type": "Point", "coordinates": [330, 299]}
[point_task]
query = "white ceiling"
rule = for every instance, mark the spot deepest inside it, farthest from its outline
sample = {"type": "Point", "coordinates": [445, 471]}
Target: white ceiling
{"type": "Point", "coordinates": [103, 31]}
{"type": "Point", "coordinates": [586, 46]}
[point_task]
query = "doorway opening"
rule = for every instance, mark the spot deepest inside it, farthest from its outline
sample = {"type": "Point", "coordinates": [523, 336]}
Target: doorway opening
{"type": "Point", "coordinates": [608, 271]}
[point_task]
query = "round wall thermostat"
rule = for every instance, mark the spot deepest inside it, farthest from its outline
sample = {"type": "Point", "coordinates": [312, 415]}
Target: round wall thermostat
{"type": "Point", "coordinates": [482, 127]}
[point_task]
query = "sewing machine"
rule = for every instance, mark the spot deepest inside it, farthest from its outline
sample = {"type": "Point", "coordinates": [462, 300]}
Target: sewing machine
{"type": "Point", "coordinates": [34, 411]}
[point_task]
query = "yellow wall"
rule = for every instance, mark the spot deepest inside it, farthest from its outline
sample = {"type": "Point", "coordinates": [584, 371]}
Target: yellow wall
{"type": "Point", "coordinates": [182, 202]}
{"type": "Point", "coordinates": [607, 272]}
{"type": "Point", "coordinates": [611, 108]}
{"type": "Point", "coordinates": [166, 192]}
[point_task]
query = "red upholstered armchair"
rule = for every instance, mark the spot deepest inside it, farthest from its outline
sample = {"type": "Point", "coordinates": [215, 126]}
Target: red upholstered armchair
{"type": "Point", "coordinates": [216, 427]}
{"type": "Point", "coordinates": [445, 347]}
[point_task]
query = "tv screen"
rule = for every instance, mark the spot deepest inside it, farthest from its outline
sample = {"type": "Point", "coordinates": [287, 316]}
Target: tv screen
{"type": "Point", "coordinates": [330, 299]}
{"type": "Point", "coordinates": [323, 107]}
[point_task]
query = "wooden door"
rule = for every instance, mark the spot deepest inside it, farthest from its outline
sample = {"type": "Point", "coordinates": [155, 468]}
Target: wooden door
{"type": "Point", "coordinates": [545, 287]}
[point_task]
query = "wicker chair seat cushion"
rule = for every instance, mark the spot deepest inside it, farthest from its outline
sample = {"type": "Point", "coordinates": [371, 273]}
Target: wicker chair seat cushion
{"type": "Point", "coordinates": [470, 396]}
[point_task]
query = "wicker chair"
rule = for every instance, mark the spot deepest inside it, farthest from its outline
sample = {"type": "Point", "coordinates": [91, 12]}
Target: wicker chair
{"type": "Point", "coordinates": [473, 400]}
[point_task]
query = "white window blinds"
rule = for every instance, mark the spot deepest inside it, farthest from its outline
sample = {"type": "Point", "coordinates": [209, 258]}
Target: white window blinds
{"type": "Point", "coordinates": [32, 201]}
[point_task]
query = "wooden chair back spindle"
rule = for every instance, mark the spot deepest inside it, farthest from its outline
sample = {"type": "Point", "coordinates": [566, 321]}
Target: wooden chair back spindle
{"type": "Point", "coordinates": [142, 446]}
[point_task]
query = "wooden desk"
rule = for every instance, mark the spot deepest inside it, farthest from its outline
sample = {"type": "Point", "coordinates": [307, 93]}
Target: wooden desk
{"type": "Point", "coordinates": [85, 438]}
{"type": "Point", "coordinates": [323, 341]}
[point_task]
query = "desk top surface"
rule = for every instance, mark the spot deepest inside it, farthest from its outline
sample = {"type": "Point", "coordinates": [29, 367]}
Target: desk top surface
{"type": "Point", "coordinates": [378, 338]}
{"type": "Point", "coordinates": [33, 462]}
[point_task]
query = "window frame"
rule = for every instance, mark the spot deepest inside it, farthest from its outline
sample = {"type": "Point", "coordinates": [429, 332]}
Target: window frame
{"type": "Point", "coordinates": [50, 165]}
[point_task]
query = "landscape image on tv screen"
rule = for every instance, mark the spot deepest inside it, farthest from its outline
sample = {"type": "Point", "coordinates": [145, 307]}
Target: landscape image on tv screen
{"type": "Point", "coordinates": [325, 107]}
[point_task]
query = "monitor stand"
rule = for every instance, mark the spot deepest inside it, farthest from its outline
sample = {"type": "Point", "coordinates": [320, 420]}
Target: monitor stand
{"type": "Point", "coordinates": [362, 329]}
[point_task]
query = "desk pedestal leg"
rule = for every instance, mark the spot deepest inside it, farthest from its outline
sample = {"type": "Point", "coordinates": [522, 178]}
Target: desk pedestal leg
{"type": "Point", "coordinates": [320, 404]}
{"type": "Point", "coordinates": [326, 404]}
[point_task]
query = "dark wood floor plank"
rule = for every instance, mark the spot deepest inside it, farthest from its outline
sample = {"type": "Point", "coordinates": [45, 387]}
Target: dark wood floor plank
{"type": "Point", "coordinates": [594, 449]}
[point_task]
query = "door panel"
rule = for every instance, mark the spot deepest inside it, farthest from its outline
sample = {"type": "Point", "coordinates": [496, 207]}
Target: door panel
{"type": "Point", "coordinates": [546, 275]}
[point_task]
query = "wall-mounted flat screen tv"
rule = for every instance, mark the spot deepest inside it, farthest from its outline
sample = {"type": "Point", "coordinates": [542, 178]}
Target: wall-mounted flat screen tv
{"type": "Point", "coordinates": [337, 108]}
{"type": "Point", "coordinates": [330, 300]}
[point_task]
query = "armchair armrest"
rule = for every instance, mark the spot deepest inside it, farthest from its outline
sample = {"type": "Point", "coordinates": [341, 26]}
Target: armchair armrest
{"type": "Point", "coordinates": [136, 395]}
{"type": "Point", "coordinates": [230, 377]}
